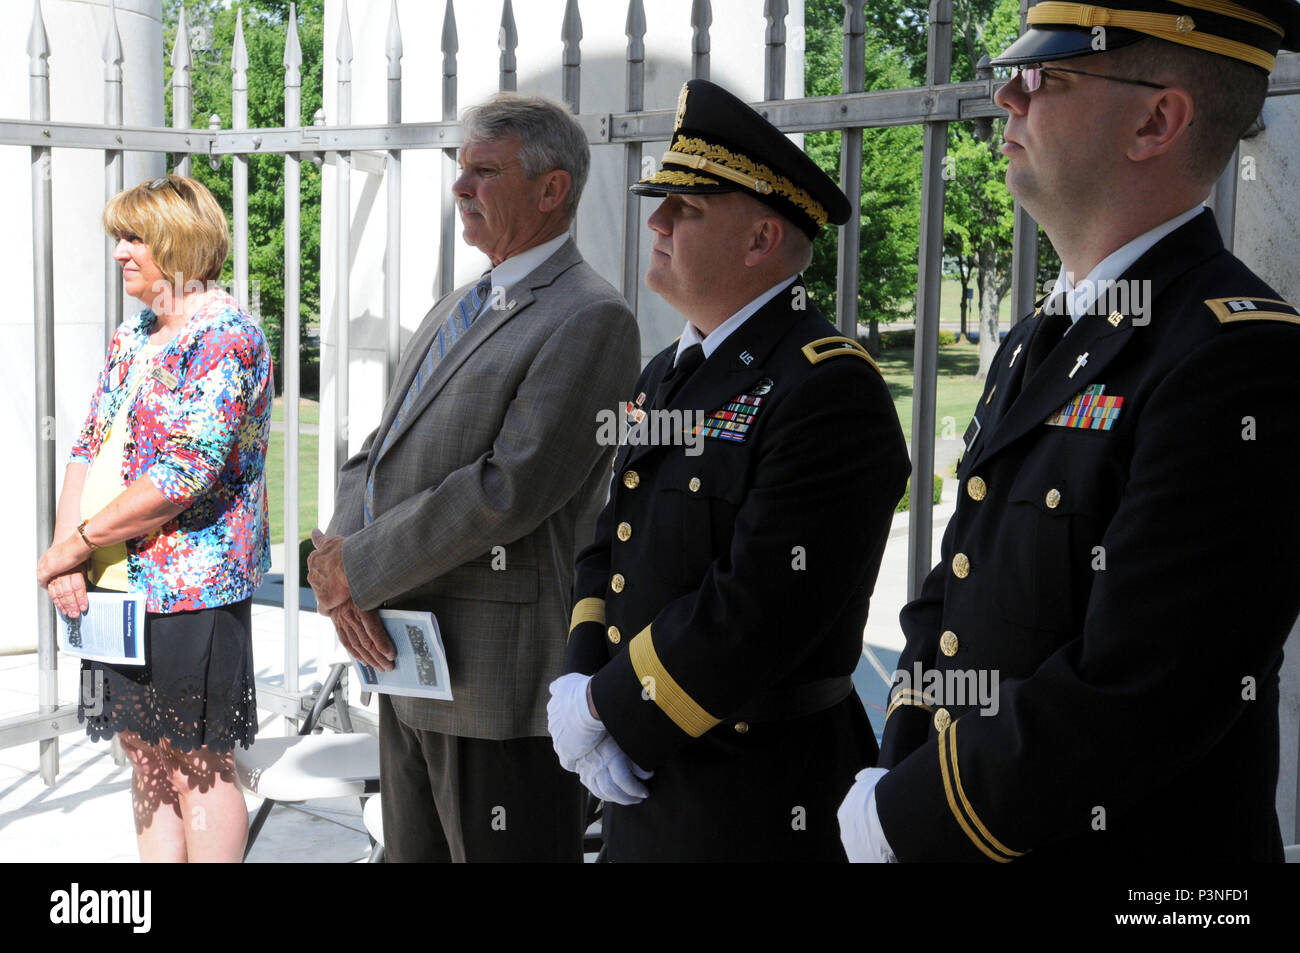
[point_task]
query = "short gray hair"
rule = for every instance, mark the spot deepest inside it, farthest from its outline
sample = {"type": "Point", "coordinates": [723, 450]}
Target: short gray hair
{"type": "Point", "coordinates": [549, 137]}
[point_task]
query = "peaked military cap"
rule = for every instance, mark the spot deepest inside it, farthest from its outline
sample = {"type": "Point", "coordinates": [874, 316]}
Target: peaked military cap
{"type": "Point", "coordinates": [1248, 30]}
{"type": "Point", "coordinates": [720, 144]}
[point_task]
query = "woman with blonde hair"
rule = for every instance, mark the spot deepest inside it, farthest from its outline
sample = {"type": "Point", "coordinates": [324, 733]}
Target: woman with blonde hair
{"type": "Point", "coordinates": [165, 495]}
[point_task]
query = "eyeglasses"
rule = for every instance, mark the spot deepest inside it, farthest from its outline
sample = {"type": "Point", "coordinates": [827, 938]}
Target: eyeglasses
{"type": "Point", "coordinates": [1031, 77]}
{"type": "Point", "coordinates": [162, 180]}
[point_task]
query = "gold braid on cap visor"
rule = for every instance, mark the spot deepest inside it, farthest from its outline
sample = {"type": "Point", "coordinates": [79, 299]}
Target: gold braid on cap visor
{"type": "Point", "coordinates": [1164, 26]}
{"type": "Point", "coordinates": [720, 162]}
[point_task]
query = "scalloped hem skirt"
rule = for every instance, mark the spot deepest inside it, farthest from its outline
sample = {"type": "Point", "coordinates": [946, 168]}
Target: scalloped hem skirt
{"type": "Point", "coordinates": [196, 688]}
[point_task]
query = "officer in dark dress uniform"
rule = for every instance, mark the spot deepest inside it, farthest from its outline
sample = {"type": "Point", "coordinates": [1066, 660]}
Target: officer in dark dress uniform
{"type": "Point", "coordinates": [1123, 556]}
{"type": "Point", "coordinates": [720, 610]}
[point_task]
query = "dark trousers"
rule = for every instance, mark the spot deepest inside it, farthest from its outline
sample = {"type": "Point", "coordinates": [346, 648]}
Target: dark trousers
{"type": "Point", "coordinates": [447, 798]}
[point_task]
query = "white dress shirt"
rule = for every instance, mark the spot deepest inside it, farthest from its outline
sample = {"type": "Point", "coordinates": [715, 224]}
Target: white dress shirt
{"type": "Point", "coordinates": [710, 342]}
{"type": "Point", "coordinates": [1079, 298]}
{"type": "Point", "coordinates": [518, 267]}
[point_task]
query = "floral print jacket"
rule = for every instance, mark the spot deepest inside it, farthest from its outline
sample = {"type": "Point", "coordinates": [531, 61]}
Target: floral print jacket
{"type": "Point", "coordinates": [199, 429]}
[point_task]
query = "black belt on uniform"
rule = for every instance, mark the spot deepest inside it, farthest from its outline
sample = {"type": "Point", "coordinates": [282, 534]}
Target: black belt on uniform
{"type": "Point", "coordinates": [797, 701]}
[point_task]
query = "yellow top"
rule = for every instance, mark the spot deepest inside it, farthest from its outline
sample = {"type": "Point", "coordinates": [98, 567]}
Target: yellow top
{"type": "Point", "coordinates": [104, 484]}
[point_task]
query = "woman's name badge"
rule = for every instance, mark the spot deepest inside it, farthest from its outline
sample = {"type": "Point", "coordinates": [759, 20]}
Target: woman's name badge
{"type": "Point", "coordinates": [168, 379]}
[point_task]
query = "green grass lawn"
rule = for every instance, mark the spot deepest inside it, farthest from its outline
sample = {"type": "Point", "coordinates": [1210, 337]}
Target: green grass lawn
{"type": "Point", "coordinates": [950, 308]}
{"type": "Point", "coordinates": [308, 411]}
{"type": "Point", "coordinates": [308, 461]}
{"type": "Point", "coordinates": [958, 390]}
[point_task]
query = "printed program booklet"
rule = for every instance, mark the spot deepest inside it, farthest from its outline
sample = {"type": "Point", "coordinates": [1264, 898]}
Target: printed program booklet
{"type": "Point", "coordinates": [420, 668]}
{"type": "Point", "coordinates": [111, 630]}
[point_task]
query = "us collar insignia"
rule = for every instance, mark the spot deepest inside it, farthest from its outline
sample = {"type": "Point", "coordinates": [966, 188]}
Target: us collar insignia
{"type": "Point", "coordinates": [1088, 410]}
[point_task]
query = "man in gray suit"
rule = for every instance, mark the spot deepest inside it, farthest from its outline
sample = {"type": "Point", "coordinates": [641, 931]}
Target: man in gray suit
{"type": "Point", "coordinates": [470, 498]}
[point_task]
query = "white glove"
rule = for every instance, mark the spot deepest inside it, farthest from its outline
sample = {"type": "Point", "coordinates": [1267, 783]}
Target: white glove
{"type": "Point", "coordinates": [574, 732]}
{"type": "Point", "coordinates": [611, 775]}
{"type": "Point", "coordinates": [860, 830]}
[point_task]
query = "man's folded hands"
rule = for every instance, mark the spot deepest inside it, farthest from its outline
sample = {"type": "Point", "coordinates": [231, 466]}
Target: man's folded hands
{"type": "Point", "coordinates": [586, 748]}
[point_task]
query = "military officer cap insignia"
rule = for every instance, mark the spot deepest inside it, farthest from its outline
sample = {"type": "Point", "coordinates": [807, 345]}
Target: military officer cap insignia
{"type": "Point", "coordinates": [1235, 310]}
{"type": "Point", "coordinates": [1248, 30]}
{"type": "Point", "coordinates": [720, 144]}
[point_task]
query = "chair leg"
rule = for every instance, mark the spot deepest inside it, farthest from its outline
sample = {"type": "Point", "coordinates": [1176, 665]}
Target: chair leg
{"type": "Point", "coordinates": [256, 827]}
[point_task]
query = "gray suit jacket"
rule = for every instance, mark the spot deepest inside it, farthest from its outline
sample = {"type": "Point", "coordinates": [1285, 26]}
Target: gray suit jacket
{"type": "Point", "coordinates": [498, 450]}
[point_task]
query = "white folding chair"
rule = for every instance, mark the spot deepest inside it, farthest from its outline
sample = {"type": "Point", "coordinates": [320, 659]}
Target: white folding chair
{"type": "Point", "coordinates": [309, 766]}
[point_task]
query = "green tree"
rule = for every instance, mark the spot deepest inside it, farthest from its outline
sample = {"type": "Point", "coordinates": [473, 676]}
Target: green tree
{"type": "Point", "coordinates": [978, 209]}
{"type": "Point", "coordinates": [979, 212]}
{"type": "Point", "coordinates": [904, 27]}
{"type": "Point", "coordinates": [889, 212]}
{"type": "Point", "coordinates": [212, 32]}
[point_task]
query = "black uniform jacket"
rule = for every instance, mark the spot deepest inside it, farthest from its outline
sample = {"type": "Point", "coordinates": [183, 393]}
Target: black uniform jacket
{"type": "Point", "coordinates": [1130, 584]}
{"type": "Point", "coordinates": [727, 587]}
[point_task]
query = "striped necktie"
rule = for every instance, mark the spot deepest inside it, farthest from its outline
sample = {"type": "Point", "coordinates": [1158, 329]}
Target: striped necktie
{"type": "Point", "coordinates": [457, 323]}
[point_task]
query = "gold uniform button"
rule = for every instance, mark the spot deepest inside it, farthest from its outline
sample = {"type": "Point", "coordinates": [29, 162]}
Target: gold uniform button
{"type": "Point", "coordinates": [694, 484]}
{"type": "Point", "coordinates": [624, 531]}
{"type": "Point", "coordinates": [1053, 499]}
{"type": "Point", "coordinates": [948, 643]}
{"type": "Point", "coordinates": [614, 635]}
{"type": "Point", "coordinates": [631, 479]}
{"type": "Point", "coordinates": [976, 488]}
{"type": "Point", "coordinates": [616, 583]}
{"type": "Point", "coordinates": [960, 566]}
{"type": "Point", "coordinates": [942, 719]}
{"type": "Point", "coordinates": [741, 727]}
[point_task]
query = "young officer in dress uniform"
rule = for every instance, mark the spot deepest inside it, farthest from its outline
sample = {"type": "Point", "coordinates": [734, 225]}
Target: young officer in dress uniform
{"type": "Point", "coordinates": [719, 613]}
{"type": "Point", "coordinates": [1123, 558]}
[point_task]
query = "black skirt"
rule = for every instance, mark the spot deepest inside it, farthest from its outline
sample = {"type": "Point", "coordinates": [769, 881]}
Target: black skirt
{"type": "Point", "coordinates": [196, 688]}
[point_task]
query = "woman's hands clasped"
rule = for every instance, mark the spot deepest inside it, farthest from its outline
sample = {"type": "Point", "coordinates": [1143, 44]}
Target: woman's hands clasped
{"type": "Point", "coordinates": [60, 572]}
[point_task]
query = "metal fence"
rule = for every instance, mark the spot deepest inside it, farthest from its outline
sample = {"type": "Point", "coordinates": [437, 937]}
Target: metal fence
{"type": "Point", "coordinates": [378, 150]}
